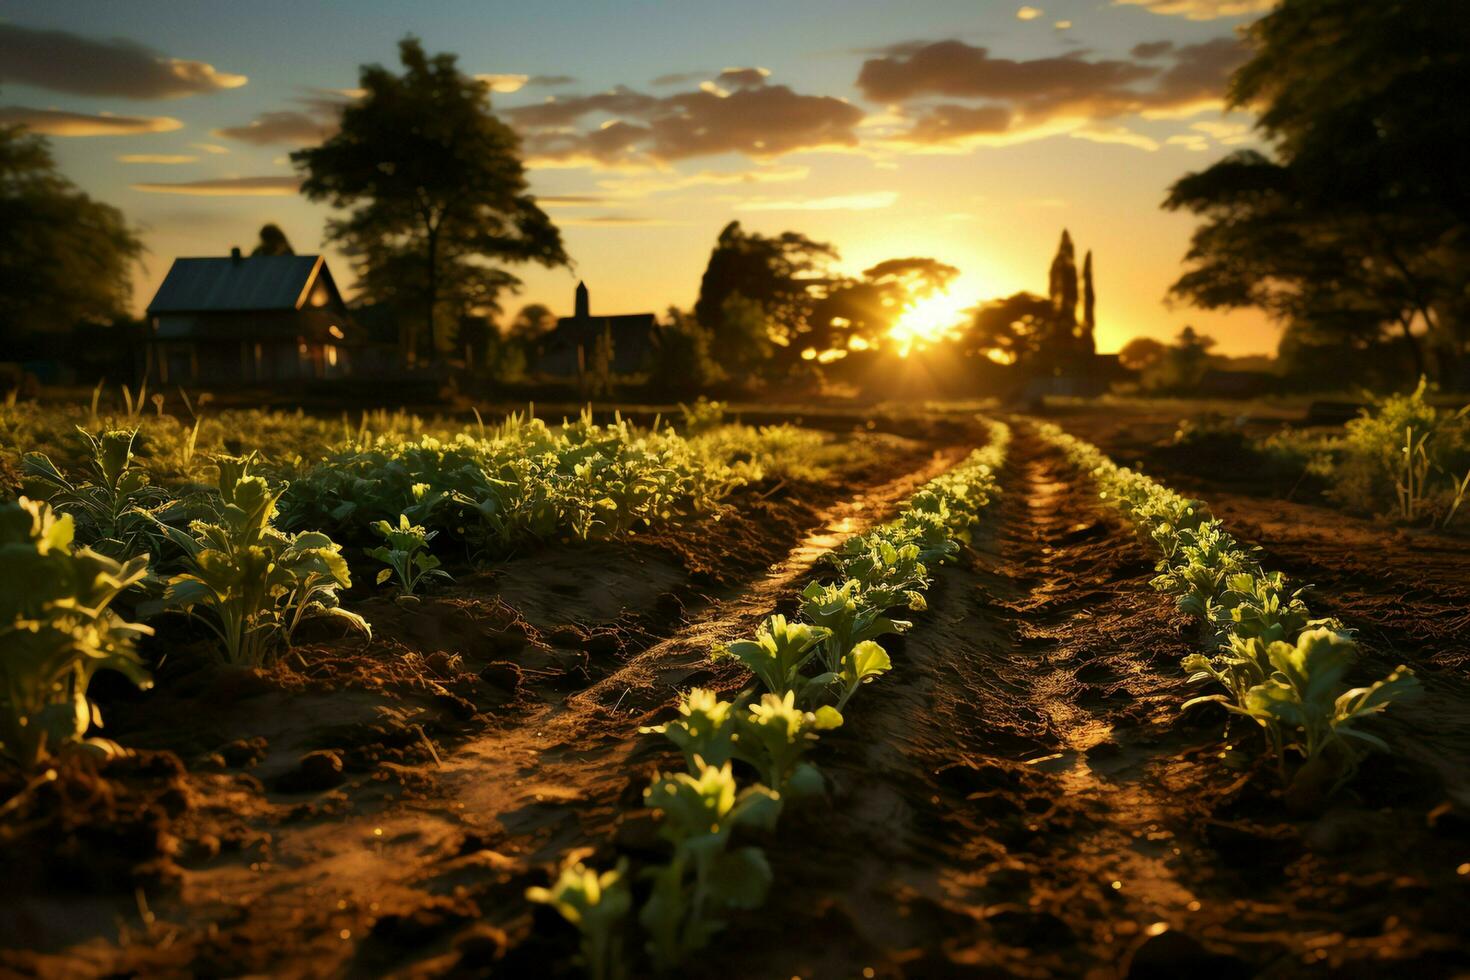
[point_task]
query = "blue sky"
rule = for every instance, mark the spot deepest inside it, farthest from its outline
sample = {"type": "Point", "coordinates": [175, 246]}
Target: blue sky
{"type": "Point", "coordinates": [1072, 125]}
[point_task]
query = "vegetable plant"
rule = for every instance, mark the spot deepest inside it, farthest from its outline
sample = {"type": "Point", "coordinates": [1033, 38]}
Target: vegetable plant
{"type": "Point", "coordinates": [597, 903]}
{"type": "Point", "coordinates": [112, 510]}
{"type": "Point", "coordinates": [57, 631]}
{"type": "Point", "coordinates": [406, 553]}
{"type": "Point", "coordinates": [705, 728]}
{"type": "Point", "coordinates": [778, 653]}
{"type": "Point", "coordinates": [705, 878]}
{"type": "Point", "coordinates": [774, 734]}
{"type": "Point", "coordinates": [251, 584]}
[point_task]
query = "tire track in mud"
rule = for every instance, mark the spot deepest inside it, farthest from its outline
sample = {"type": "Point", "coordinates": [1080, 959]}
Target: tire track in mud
{"type": "Point", "coordinates": [458, 849]}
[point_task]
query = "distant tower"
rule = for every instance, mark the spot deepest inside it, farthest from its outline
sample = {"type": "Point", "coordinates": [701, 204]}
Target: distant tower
{"type": "Point", "coordinates": [584, 307]}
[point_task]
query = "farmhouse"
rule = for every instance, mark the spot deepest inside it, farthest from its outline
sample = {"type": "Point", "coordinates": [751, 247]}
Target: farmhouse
{"type": "Point", "coordinates": [249, 319]}
{"type": "Point", "coordinates": [571, 348]}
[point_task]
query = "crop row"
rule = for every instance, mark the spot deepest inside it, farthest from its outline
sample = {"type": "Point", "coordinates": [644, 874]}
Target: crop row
{"type": "Point", "coordinates": [1279, 666]}
{"type": "Point", "coordinates": [251, 557]}
{"type": "Point", "coordinates": [747, 758]}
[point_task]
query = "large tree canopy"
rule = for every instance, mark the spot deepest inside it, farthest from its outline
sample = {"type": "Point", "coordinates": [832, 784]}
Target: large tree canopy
{"type": "Point", "coordinates": [64, 258]}
{"type": "Point", "coordinates": [784, 275]}
{"type": "Point", "coordinates": [1358, 219]}
{"type": "Point", "coordinates": [437, 189]}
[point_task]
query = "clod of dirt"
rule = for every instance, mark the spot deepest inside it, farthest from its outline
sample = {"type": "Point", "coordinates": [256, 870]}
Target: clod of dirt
{"type": "Point", "coordinates": [244, 753]}
{"type": "Point", "coordinates": [565, 636]}
{"type": "Point", "coordinates": [317, 771]}
{"type": "Point", "coordinates": [481, 946]}
{"type": "Point", "coordinates": [603, 644]}
{"type": "Point", "coordinates": [502, 674]}
{"type": "Point", "coordinates": [1172, 954]}
{"type": "Point", "coordinates": [422, 925]}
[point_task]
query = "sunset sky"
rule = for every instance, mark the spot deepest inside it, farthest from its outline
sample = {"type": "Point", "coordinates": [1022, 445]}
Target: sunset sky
{"type": "Point", "coordinates": [971, 131]}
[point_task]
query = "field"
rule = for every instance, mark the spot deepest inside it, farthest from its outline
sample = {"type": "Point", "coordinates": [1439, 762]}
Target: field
{"type": "Point", "coordinates": [933, 692]}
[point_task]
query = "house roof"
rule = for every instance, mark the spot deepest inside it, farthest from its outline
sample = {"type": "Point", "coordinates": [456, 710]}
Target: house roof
{"type": "Point", "coordinates": [249, 283]}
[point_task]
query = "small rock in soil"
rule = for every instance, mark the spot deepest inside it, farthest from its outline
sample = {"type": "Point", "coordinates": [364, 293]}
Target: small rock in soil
{"type": "Point", "coordinates": [1172, 954]}
{"type": "Point", "coordinates": [502, 674]}
{"type": "Point", "coordinates": [319, 770]}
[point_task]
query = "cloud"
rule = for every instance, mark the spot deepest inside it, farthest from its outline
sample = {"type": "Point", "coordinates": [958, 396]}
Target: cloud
{"type": "Point", "coordinates": [286, 126]}
{"type": "Point", "coordinates": [66, 62]}
{"type": "Point", "coordinates": [1201, 9]}
{"type": "Point", "coordinates": [569, 200]}
{"type": "Point", "coordinates": [53, 122]}
{"type": "Point", "coordinates": [1063, 25]}
{"type": "Point", "coordinates": [551, 81]}
{"type": "Point", "coordinates": [1151, 49]}
{"type": "Point", "coordinates": [843, 202]}
{"type": "Point", "coordinates": [1029, 13]}
{"type": "Point", "coordinates": [613, 221]}
{"type": "Point", "coordinates": [679, 78]}
{"type": "Point", "coordinates": [627, 128]}
{"type": "Point", "coordinates": [164, 158]}
{"type": "Point", "coordinates": [505, 84]}
{"type": "Point", "coordinates": [743, 77]}
{"type": "Point", "coordinates": [641, 186]}
{"type": "Point", "coordinates": [228, 187]}
{"type": "Point", "coordinates": [1039, 96]}
{"type": "Point", "coordinates": [1121, 135]}
{"type": "Point", "coordinates": [210, 148]}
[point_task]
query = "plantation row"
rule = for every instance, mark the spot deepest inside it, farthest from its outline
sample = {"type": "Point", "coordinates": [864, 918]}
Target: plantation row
{"type": "Point", "coordinates": [252, 556]}
{"type": "Point", "coordinates": [1279, 666]}
{"type": "Point", "coordinates": [806, 670]}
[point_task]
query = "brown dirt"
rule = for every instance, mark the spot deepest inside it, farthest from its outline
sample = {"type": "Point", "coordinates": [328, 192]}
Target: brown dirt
{"type": "Point", "coordinates": [1020, 797]}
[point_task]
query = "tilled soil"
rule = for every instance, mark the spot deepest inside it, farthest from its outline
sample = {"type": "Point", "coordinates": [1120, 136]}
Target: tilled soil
{"type": "Point", "coordinates": [373, 805]}
{"type": "Point", "coordinates": [1021, 796]}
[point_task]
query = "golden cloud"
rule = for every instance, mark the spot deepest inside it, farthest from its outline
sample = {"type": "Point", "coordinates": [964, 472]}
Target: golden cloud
{"type": "Point", "coordinates": [228, 187]}
{"type": "Point", "coordinates": [54, 122]}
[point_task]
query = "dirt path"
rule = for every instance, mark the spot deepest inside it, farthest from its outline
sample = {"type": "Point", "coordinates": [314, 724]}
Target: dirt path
{"type": "Point", "coordinates": [1021, 797]}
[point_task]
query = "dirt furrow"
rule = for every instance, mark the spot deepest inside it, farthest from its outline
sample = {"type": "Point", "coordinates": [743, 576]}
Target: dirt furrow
{"type": "Point", "coordinates": [1023, 798]}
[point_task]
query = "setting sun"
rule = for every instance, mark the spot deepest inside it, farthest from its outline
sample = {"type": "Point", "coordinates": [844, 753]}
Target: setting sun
{"type": "Point", "coordinates": [928, 320]}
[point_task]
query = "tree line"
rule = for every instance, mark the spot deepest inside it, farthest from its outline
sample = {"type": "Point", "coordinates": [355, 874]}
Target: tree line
{"type": "Point", "coordinates": [1352, 229]}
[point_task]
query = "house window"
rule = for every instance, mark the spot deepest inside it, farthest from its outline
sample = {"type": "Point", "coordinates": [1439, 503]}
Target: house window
{"type": "Point", "coordinates": [331, 355]}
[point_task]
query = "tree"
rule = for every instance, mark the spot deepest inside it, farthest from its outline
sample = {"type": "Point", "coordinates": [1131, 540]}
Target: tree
{"type": "Point", "coordinates": [1362, 208]}
{"type": "Point", "coordinates": [681, 359]}
{"type": "Point", "coordinates": [1015, 330]}
{"type": "Point", "coordinates": [533, 322]}
{"type": "Point", "coordinates": [864, 309]}
{"type": "Point", "coordinates": [1063, 289]}
{"type": "Point", "coordinates": [437, 187]}
{"type": "Point", "coordinates": [272, 242]}
{"type": "Point", "coordinates": [1089, 309]}
{"type": "Point", "coordinates": [1142, 353]}
{"type": "Point", "coordinates": [744, 342]}
{"type": "Point", "coordinates": [64, 257]}
{"type": "Point", "coordinates": [1183, 364]}
{"type": "Point", "coordinates": [780, 275]}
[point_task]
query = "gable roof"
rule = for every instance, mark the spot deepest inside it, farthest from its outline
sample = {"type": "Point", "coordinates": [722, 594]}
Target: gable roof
{"type": "Point", "coordinates": [249, 283]}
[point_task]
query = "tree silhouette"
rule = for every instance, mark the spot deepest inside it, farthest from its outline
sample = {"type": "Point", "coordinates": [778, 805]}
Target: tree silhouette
{"type": "Point", "coordinates": [780, 275]}
{"type": "Point", "coordinates": [1089, 309]}
{"type": "Point", "coordinates": [865, 308]}
{"type": "Point", "coordinates": [533, 322]}
{"type": "Point", "coordinates": [1362, 210]}
{"type": "Point", "coordinates": [64, 257]}
{"type": "Point", "coordinates": [272, 242]}
{"type": "Point", "coordinates": [437, 187]}
{"type": "Point", "coordinates": [1018, 330]}
{"type": "Point", "coordinates": [1063, 290]}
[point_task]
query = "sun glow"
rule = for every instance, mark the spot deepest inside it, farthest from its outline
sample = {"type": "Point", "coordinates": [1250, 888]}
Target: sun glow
{"type": "Point", "coordinates": [928, 321]}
